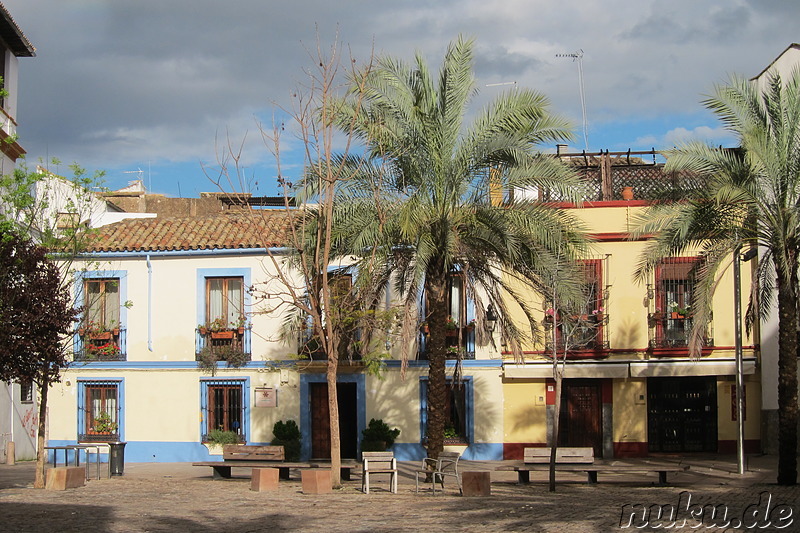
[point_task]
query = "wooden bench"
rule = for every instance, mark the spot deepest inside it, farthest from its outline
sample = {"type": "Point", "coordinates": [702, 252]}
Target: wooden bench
{"type": "Point", "coordinates": [247, 456]}
{"type": "Point", "coordinates": [582, 460]}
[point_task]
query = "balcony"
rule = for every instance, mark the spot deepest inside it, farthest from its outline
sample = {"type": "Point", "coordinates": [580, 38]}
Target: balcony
{"type": "Point", "coordinates": [607, 173]}
{"type": "Point", "coordinates": [459, 341]}
{"type": "Point", "coordinates": [99, 344]}
{"type": "Point", "coordinates": [671, 331]}
{"type": "Point", "coordinates": [229, 344]}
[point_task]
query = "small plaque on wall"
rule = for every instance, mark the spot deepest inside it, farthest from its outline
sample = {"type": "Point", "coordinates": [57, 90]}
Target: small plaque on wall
{"type": "Point", "coordinates": [266, 397]}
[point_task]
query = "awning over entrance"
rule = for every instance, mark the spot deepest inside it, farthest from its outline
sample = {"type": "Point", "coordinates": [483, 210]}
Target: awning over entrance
{"type": "Point", "coordinates": [573, 370]}
{"type": "Point", "coordinates": [708, 367]}
{"type": "Point", "coordinates": [637, 369]}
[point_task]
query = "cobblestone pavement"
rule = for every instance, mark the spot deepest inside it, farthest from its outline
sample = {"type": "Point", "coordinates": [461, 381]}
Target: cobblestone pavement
{"type": "Point", "coordinates": [178, 497]}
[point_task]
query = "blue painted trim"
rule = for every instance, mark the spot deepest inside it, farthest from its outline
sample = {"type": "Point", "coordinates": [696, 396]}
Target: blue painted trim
{"type": "Point", "coordinates": [122, 276]}
{"type": "Point", "coordinates": [81, 414]}
{"type": "Point", "coordinates": [413, 451]}
{"type": "Point", "coordinates": [244, 381]}
{"type": "Point", "coordinates": [469, 402]}
{"type": "Point", "coordinates": [305, 406]}
{"type": "Point", "coordinates": [150, 452]}
{"type": "Point", "coordinates": [185, 253]}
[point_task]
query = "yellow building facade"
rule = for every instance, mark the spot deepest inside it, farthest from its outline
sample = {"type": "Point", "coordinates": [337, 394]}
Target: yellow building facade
{"type": "Point", "coordinates": [630, 385]}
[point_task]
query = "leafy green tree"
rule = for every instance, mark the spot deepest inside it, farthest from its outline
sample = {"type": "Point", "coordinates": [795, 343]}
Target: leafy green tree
{"type": "Point", "coordinates": [37, 314]}
{"type": "Point", "coordinates": [750, 199]}
{"type": "Point", "coordinates": [55, 213]}
{"type": "Point", "coordinates": [428, 200]}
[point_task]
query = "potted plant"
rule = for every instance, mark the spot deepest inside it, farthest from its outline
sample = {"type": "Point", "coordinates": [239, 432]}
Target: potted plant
{"type": "Point", "coordinates": [104, 424]}
{"type": "Point", "coordinates": [680, 312]}
{"type": "Point", "coordinates": [451, 327]}
{"type": "Point", "coordinates": [453, 441]}
{"type": "Point", "coordinates": [217, 438]}
{"type": "Point", "coordinates": [425, 328]}
{"type": "Point", "coordinates": [471, 325]}
{"type": "Point", "coordinates": [240, 324]}
{"type": "Point", "coordinates": [235, 357]}
{"type": "Point", "coordinates": [287, 434]}
{"type": "Point", "coordinates": [378, 436]}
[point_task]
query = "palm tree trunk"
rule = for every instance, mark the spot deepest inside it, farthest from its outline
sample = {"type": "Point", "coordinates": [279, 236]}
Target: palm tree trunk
{"type": "Point", "coordinates": [437, 380]}
{"type": "Point", "coordinates": [787, 378]}
{"type": "Point", "coordinates": [41, 453]}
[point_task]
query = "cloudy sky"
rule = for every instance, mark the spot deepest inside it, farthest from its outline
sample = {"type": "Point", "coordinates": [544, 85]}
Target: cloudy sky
{"type": "Point", "coordinates": [159, 85]}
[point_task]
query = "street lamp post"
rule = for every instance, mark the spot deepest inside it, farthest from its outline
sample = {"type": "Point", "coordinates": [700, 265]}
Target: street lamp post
{"type": "Point", "coordinates": [738, 257]}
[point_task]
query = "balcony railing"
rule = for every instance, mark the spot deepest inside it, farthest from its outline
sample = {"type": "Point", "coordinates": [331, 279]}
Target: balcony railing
{"type": "Point", "coordinates": [606, 173]}
{"type": "Point", "coordinates": [672, 330]}
{"type": "Point", "coordinates": [99, 436]}
{"type": "Point", "coordinates": [108, 345]}
{"type": "Point", "coordinates": [223, 341]}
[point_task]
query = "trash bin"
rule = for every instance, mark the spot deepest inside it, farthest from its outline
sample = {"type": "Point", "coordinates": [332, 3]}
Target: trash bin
{"type": "Point", "coordinates": [116, 458]}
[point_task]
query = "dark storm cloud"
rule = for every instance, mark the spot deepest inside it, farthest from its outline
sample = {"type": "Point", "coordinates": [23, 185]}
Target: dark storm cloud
{"type": "Point", "coordinates": [121, 80]}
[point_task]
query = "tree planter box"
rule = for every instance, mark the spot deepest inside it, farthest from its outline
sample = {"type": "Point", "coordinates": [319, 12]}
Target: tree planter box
{"type": "Point", "coordinates": [317, 481]}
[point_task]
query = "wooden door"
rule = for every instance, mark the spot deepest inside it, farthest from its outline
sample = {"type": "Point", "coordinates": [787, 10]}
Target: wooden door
{"type": "Point", "coordinates": [320, 420]}
{"type": "Point", "coordinates": [582, 415]}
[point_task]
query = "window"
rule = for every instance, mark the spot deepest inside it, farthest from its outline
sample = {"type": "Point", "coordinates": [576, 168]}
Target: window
{"type": "Point", "coordinates": [224, 301]}
{"type": "Point", "coordinates": [100, 329]}
{"type": "Point", "coordinates": [223, 331]}
{"type": "Point", "coordinates": [99, 409]}
{"type": "Point", "coordinates": [224, 326]}
{"type": "Point", "coordinates": [458, 410]}
{"type": "Point", "coordinates": [584, 330]}
{"type": "Point", "coordinates": [461, 328]}
{"type": "Point", "coordinates": [224, 407]}
{"type": "Point", "coordinates": [102, 302]}
{"type": "Point", "coordinates": [672, 316]}
{"type": "Point", "coordinates": [26, 391]}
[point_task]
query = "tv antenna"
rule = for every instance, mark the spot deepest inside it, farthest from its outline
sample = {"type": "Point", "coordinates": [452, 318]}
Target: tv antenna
{"type": "Point", "coordinates": [139, 174]}
{"type": "Point", "coordinates": [578, 56]}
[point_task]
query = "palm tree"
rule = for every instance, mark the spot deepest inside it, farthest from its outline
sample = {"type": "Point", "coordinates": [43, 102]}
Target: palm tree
{"type": "Point", "coordinates": [751, 198]}
{"type": "Point", "coordinates": [426, 202]}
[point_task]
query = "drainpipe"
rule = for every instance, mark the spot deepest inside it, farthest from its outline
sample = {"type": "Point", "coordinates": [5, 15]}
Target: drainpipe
{"type": "Point", "coordinates": [149, 304]}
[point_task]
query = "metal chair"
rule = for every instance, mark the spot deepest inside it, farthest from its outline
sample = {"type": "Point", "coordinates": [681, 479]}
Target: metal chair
{"type": "Point", "coordinates": [445, 466]}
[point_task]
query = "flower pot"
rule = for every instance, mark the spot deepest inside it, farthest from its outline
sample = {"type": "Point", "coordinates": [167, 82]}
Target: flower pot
{"type": "Point", "coordinates": [675, 315]}
{"type": "Point", "coordinates": [222, 334]}
{"type": "Point", "coordinates": [101, 336]}
{"type": "Point", "coordinates": [425, 329]}
{"type": "Point", "coordinates": [213, 448]}
{"type": "Point", "coordinates": [241, 330]}
{"type": "Point", "coordinates": [627, 193]}
{"type": "Point", "coordinates": [203, 331]}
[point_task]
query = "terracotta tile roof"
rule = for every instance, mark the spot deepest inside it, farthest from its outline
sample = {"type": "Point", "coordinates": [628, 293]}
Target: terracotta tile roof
{"type": "Point", "coordinates": [257, 229]}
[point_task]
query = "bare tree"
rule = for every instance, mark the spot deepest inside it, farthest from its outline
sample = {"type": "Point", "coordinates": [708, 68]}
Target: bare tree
{"type": "Point", "coordinates": [574, 324]}
{"type": "Point", "coordinates": [306, 284]}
